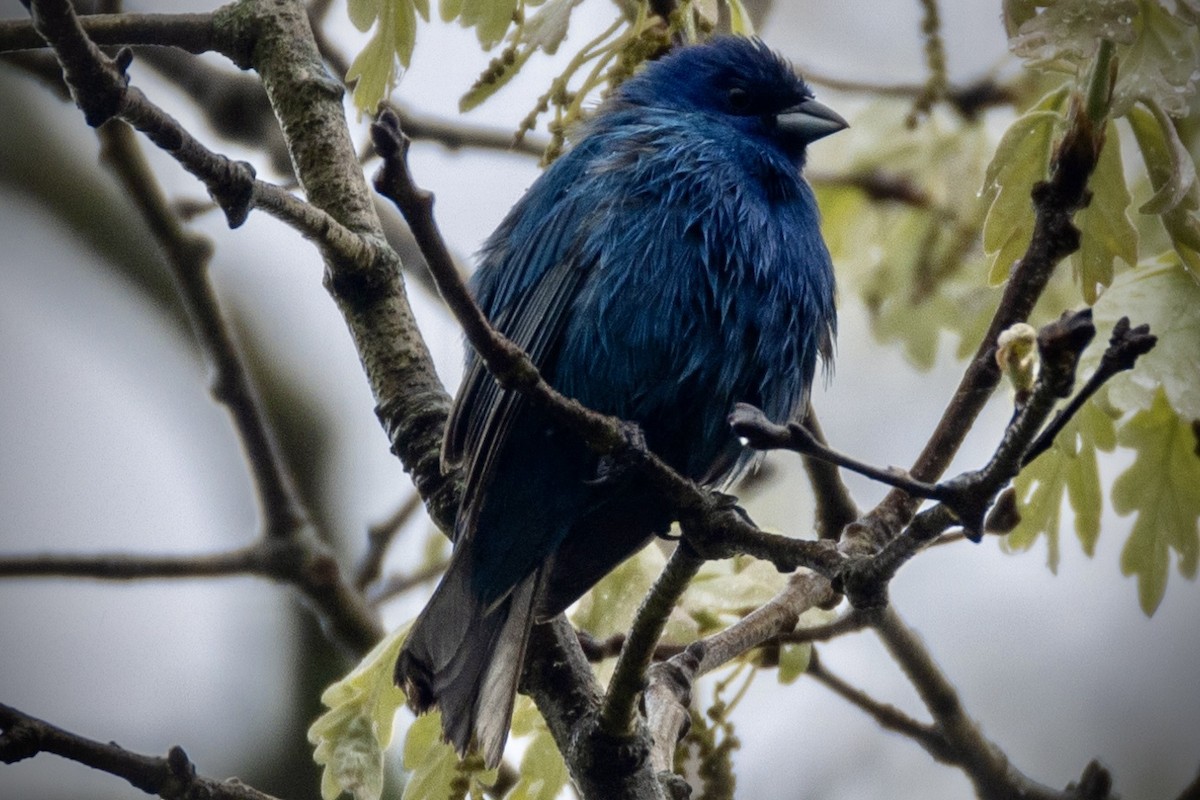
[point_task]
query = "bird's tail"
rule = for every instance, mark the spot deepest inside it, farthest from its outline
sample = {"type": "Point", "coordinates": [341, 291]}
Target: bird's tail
{"type": "Point", "coordinates": [466, 659]}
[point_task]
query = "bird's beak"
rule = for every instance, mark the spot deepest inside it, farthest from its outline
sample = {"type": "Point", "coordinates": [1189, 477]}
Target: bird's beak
{"type": "Point", "coordinates": [808, 121]}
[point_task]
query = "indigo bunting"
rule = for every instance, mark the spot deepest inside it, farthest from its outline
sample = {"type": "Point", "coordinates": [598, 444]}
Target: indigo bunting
{"type": "Point", "coordinates": [667, 267]}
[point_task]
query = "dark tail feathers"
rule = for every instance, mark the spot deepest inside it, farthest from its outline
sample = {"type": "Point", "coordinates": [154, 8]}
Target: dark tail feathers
{"type": "Point", "coordinates": [466, 660]}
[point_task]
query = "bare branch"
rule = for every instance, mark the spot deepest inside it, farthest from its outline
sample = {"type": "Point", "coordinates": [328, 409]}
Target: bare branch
{"type": "Point", "coordinates": [887, 716]}
{"type": "Point", "coordinates": [835, 506]}
{"type": "Point", "coordinates": [752, 424]}
{"type": "Point", "coordinates": [173, 777]}
{"type": "Point", "coordinates": [853, 620]}
{"type": "Point", "coordinates": [399, 584]}
{"type": "Point", "coordinates": [935, 60]}
{"type": "Point", "coordinates": [668, 694]}
{"type": "Point", "coordinates": [969, 100]}
{"type": "Point", "coordinates": [1054, 238]}
{"type": "Point", "coordinates": [194, 33]}
{"type": "Point", "coordinates": [379, 537]}
{"type": "Point", "coordinates": [1125, 346]}
{"type": "Point", "coordinates": [877, 185]}
{"type": "Point", "coordinates": [983, 761]}
{"type": "Point", "coordinates": [625, 687]}
{"type": "Point", "coordinates": [131, 566]}
{"type": "Point", "coordinates": [188, 255]}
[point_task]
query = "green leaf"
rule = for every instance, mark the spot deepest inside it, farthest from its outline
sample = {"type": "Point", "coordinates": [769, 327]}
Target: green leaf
{"type": "Point", "coordinates": [732, 587]}
{"type": "Point", "coordinates": [1017, 13]}
{"type": "Point", "coordinates": [1068, 467]}
{"type": "Point", "coordinates": [543, 772]}
{"type": "Point", "coordinates": [497, 75]}
{"type": "Point", "coordinates": [1020, 161]}
{"type": "Point", "coordinates": [435, 771]}
{"type": "Point", "coordinates": [793, 661]}
{"type": "Point", "coordinates": [1173, 175]}
{"type": "Point", "coordinates": [490, 18]}
{"type": "Point", "coordinates": [450, 9]}
{"type": "Point", "coordinates": [363, 13]}
{"type": "Point", "coordinates": [404, 32]}
{"type": "Point", "coordinates": [739, 19]}
{"type": "Point", "coordinates": [373, 71]}
{"type": "Point", "coordinates": [546, 29]}
{"type": "Point", "coordinates": [1160, 67]}
{"type": "Point", "coordinates": [1162, 487]}
{"type": "Point", "coordinates": [1070, 30]}
{"type": "Point", "coordinates": [432, 764]}
{"type": "Point", "coordinates": [352, 735]}
{"type": "Point", "coordinates": [1172, 170]}
{"type": "Point", "coordinates": [609, 607]}
{"type": "Point", "coordinates": [1159, 293]}
{"type": "Point", "coordinates": [1107, 233]}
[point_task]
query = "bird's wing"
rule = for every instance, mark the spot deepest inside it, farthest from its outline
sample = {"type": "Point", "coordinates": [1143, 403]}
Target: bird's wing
{"type": "Point", "coordinates": [532, 272]}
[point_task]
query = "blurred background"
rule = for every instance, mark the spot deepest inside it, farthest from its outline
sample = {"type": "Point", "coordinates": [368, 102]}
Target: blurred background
{"type": "Point", "coordinates": [109, 442]}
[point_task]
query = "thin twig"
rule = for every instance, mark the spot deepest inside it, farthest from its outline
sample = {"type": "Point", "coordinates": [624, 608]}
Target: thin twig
{"type": "Point", "coordinates": [877, 185]}
{"type": "Point", "coordinates": [984, 763]}
{"type": "Point", "coordinates": [835, 506]}
{"type": "Point", "coordinates": [969, 100]}
{"type": "Point", "coordinates": [759, 432]}
{"type": "Point", "coordinates": [399, 584]}
{"type": "Point", "coordinates": [1125, 346]}
{"type": "Point", "coordinates": [620, 702]}
{"type": "Point", "coordinates": [379, 537]}
{"type": "Point", "coordinates": [1054, 238]}
{"type": "Point", "coordinates": [174, 776]}
{"type": "Point", "coordinates": [668, 693]}
{"type": "Point", "coordinates": [853, 620]}
{"type": "Point", "coordinates": [935, 60]}
{"type": "Point", "coordinates": [187, 256]}
{"type": "Point", "coordinates": [135, 566]}
{"type": "Point", "coordinates": [887, 716]}
{"type": "Point", "coordinates": [191, 32]}
{"type": "Point", "coordinates": [966, 498]}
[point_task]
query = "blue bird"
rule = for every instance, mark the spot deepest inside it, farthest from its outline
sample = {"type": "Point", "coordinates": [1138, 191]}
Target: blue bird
{"type": "Point", "coordinates": [667, 267]}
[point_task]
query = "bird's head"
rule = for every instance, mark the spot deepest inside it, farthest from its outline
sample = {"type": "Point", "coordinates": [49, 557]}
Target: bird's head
{"type": "Point", "coordinates": [741, 81]}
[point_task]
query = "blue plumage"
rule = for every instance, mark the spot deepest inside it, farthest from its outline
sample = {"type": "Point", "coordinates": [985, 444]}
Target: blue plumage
{"type": "Point", "coordinates": [665, 268]}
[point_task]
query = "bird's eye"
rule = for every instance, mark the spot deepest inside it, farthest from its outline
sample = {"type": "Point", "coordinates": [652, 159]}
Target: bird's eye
{"type": "Point", "coordinates": [739, 99]}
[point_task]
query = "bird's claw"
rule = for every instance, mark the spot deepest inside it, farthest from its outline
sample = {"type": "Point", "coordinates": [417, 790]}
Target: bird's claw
{"type": "Point", "coordinates": [614, 467]}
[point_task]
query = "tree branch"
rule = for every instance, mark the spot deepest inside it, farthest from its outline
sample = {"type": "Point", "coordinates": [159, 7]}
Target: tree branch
{"type": "Point", "coordinates": [629, 676]}
{"type": "Point", "coordinates": [969, 100]}
{"type": "Point", "coordinates": [835, 507]}
{"type": "Point", "coordinates": [194, 33]}
{"type": "Point", "coordinates": [173, 777]}
{"type": "Point", "coordinates": [966, 498]}
{"type": "Point", "coordinates": [668, 692]}
{"type": "Point", "coordinates": [136, 566]}
{"type": "Point", "coordinates": [379, 537]}
{"type": "Point", "coordinates": [887, 716]}
{"type": "Point", "coordinates": [188, 256]}
{"type": "Point", "coordinates": [989, 769]}
{"type": "Point", "coordinates": [1125, 346]}
{"type": "Point", "coordinates": [1054, 237]}
{"type": "Point", "coordinates": [398, 584]}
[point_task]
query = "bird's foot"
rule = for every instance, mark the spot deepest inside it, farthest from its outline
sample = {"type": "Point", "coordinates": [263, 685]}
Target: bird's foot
{"type": "Point", "coordinates": [730, 502]}
{"type": "Point", "coordinates": [615, 467]}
